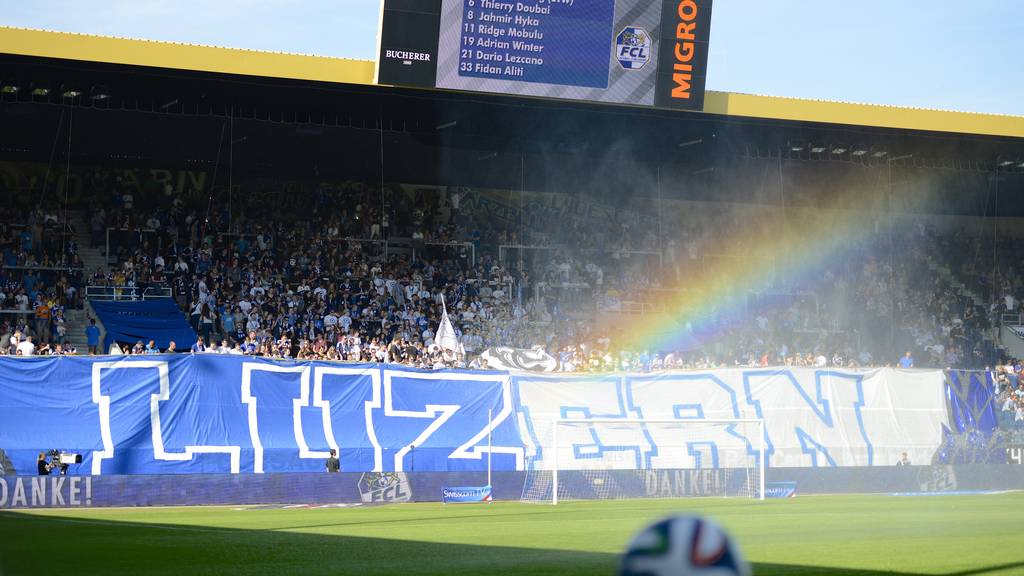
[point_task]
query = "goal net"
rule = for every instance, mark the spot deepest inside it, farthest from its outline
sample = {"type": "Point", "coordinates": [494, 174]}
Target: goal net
{"type": "Point", "coordinates": [636, 458]}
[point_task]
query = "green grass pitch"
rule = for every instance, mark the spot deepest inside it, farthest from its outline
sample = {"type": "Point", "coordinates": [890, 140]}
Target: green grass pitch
{"type": "Point", "coordinates": [844, 535]}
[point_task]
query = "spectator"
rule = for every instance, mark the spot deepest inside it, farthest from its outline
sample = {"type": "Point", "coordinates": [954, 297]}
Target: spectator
{"type": "Point", "coordinates": [26, 347]}
{"type": "Point", "coordinates": [92, 337]}
{"type": "Point", "coordinates": [42, 311]}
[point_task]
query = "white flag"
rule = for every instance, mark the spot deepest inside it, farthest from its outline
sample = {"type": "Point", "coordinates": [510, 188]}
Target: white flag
{"type": "Point", "coordinates": [445, 335]}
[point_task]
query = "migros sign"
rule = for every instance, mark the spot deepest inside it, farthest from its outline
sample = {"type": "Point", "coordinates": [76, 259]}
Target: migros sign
{"type": "Point", "coordinates": [682, 66]}
{"type": "Point", "coordinates": [684, 49]}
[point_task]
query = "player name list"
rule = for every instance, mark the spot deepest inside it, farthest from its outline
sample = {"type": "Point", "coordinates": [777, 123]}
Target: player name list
{"type": "Point", "coordinates": [517, 40]}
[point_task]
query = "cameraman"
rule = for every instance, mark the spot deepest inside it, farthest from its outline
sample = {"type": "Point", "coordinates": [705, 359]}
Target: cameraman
{"type": "Point", "coordinates": [42, 465]}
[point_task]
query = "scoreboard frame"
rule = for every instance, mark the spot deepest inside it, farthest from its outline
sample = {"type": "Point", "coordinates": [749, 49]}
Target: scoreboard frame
{"type": "Point", "coordinates": [413, 51]}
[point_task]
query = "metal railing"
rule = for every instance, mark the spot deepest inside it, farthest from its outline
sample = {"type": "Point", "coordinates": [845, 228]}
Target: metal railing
{"type": "Point", "coordinates": [660, 255]}
{"type": "Point", "coordinates": [140, 231]}
{"type": "Point", "coordinates": [470, 245]}
{"type": "Point", "coordinates": [639, 308]}
{"type": "Point", "coordinates": [503, 248]}
{"type": "Point", "coordinates": [521, 249]}
{"type": "Point", "coordinates": [126, 293]}
{"type": "Point", "coordinates": [45, 268]}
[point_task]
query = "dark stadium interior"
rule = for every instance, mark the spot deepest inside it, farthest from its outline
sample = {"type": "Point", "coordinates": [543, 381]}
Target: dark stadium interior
{"type": "Point", "coordinates": [739, 185]}
{"type": "Point", "coordinates": [287, 127]}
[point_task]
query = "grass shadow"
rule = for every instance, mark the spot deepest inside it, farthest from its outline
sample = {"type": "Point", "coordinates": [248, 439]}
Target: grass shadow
{"type": "Point", "coordinates": [30, 543]}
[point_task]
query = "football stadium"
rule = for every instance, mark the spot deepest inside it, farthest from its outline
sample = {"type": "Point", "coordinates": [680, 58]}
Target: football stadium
{"type": "Point", "coordinates": [519, 296]}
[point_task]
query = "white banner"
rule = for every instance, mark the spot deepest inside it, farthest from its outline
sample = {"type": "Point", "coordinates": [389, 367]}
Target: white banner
{"type": "Point", "coordinates": [812, 417]}
{"type": "Point", "coordinates": [528, 359]}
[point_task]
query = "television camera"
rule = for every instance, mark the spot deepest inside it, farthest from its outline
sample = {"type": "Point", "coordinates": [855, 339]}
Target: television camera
{"type": "Point", "coordinates": [60, 460]}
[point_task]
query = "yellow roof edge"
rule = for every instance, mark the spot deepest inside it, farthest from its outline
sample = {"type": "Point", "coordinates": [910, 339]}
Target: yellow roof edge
{"type": "Point", "coordinates": [174, 55]}
{"type": "Point", "coordinates": [876, 115]}
{"type": "Point", "coordinates": [160, 54]}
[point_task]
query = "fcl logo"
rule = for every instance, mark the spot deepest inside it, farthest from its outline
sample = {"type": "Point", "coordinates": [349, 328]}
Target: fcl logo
{"type": "Point", "coordinates": [633, 48]}
{"type": "Point", "coordinates": [384, 487]}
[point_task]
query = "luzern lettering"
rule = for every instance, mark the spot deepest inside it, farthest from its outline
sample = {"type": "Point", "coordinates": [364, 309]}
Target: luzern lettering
{"type": "Point", "coordinates": [684, 49]}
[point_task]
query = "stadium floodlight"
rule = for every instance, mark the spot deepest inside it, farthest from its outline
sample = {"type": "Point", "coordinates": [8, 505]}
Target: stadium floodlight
{"type": "Point", "coordinates": [72, 93]}
{"type": "Point", "coordinates": [796, 148]}
{"type": "Point", "coordinates": [879, 154]}
{"type": "Point", "coordinates": [446, 125]}
{"type": "Point", "coordinates": [99, 92]}
{"type": "Point", "coordinates": [562, 465]}
{"type": "Point", "coordinates": [41, 92]}
{"type": "Point", "coordinates": [839, 150]}
{"type": "Point", "coordinates": [858, 152]}
{"type": "Point", "coordinates": [1006, 163]}
{"type": "Point", "coordinates": [818, 149]}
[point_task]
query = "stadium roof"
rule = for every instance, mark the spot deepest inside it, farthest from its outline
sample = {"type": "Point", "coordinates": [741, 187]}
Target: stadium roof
{"type": "Point", "coordinates": [143, 104]}
{"type": "Point", "coordinates": [148, 53]}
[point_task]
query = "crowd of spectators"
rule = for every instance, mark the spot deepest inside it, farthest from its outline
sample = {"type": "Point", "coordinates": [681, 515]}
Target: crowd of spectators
{"type": "Point", "coordinates": [314, 279]}
{"type": "Point", "coordinates": [41, 277]}
{"type": "Point", "coordinates": [864, 309]}
{"type": "Point", "coordinates": [1009, 393]}
{"type": "Point", "coordinates": [312, 283]}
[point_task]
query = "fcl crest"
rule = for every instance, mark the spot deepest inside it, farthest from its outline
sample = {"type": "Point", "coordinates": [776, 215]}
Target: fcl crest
{"type": "Point", "coordinates": [633, 48]}
{"type": "Point", "coordinates": [384, 487]}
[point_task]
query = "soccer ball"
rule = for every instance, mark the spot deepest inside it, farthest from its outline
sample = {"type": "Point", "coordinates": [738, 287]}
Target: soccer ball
{"type": "Point", "coordinates": [683, 546]}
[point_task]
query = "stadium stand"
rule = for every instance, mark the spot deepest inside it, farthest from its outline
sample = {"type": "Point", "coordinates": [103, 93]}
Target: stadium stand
{"type": "Point", "coordinates": [537, 230]}
{"type": "Point", "coordinates": [334, 279]}
{"type": "Point", "coordinates": [41, 278]}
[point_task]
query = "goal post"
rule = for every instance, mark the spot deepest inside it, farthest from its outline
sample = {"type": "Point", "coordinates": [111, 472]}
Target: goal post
{"type": "Point", "coordinates": [609, 458]}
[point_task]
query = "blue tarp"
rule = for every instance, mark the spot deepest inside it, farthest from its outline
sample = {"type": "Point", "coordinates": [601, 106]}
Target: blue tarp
{"type": "Point", "coordinates": [216, 413]}
{"type": "Point", "coordinates": [973, 416]}
{"type": "Point", "coordinates": [201, 413]}
{"type": "Point", "coordinates": [160, 320]}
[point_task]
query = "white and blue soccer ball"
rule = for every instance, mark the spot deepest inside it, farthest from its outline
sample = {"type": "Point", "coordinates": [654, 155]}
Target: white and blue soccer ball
{"type": "Point", "coordinates": [683, 546]}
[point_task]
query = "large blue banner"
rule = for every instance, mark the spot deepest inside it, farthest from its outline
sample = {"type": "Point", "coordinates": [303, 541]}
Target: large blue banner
{"type": "Point", "coordinates": [348, 489]}
{"type": "Point", "coordinates": [167, 414]}
{"type": "Point", "coordinates": [213, 413]}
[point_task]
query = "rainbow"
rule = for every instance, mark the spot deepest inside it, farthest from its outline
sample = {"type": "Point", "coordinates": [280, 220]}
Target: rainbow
{"type": "Point", "coordinates": [797, 250]}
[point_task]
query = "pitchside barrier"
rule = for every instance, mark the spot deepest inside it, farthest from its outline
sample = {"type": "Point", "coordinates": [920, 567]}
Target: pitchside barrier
{"type": "Point", "coordinates": [256, 419]}
{"type": "Point", "coordinates": [370, 488]}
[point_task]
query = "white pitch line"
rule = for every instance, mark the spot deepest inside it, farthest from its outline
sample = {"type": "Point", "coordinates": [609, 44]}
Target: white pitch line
{"type": "Point", "coordinates": [126, 523]}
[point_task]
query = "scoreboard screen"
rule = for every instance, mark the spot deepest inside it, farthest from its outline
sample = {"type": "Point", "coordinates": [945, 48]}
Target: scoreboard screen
{"type": "Point", "coordinates": [642, 52]}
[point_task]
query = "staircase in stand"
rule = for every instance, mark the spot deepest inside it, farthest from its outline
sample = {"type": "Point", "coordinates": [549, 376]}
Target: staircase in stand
{"type": "Point", "coordinates": [92, 258]}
